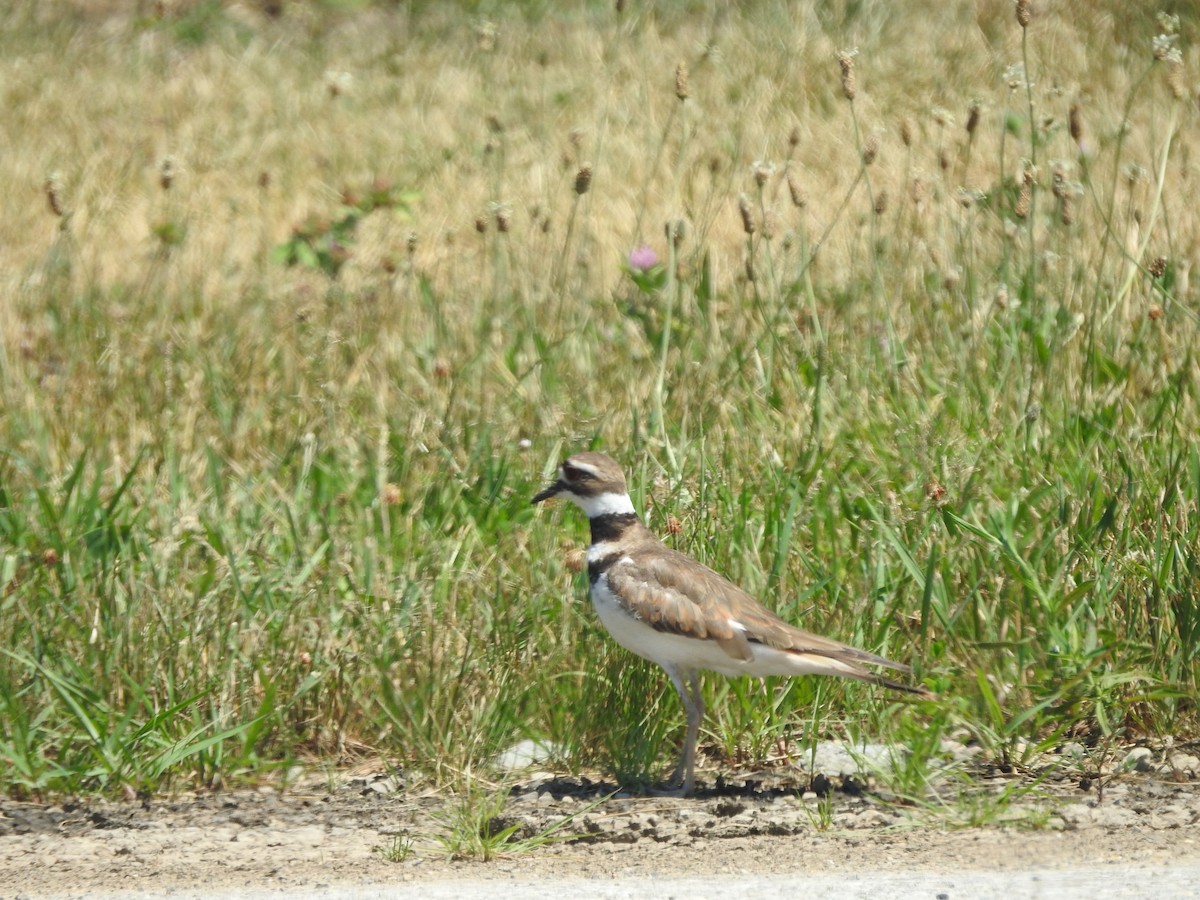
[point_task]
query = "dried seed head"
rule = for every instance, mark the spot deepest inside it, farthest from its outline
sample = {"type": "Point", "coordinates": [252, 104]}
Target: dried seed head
{"type": "Point", "coordinates": [54, 191]}
{"type": "Point", "coordinates": [944, 159]}
{"type": "Point", "coordinates": [681, 81]}
{"type": "Point", "coordinates": [794, 137]}
{"type": "Point", "coordinates": [770, 224]}
{"type": "Point", "coordinates": [494, 125]}
{"type": "Point", "coordinates": [1075, 123]}
{"type": "Point", "coordinates": [673, 526]}
{"type": "Point", "coordinates": [881, 202]}
{"type": "Point", "coordinates": [1158, 267]}
{"type": "Point", "coordinates": [166, 173]}
{"type": "Point", "coordinates": [620, 6]}
{"type": "Point", "coordinates": [338, 83]}
{"type": "Point", "coordinates": [411, 242]}
{"type": "Point", "coordinates": [1166, 49]}
{"type": "Point", "coordinates": [870, 148]}
{"type": "Point", "coordinates": [481, 224]}
{"type": "Point", "coordinates": [941, 116]}
{"type": "Point", "coordinates": [747, 215]}
{"type": "Point", "coordinates": [849, 82]}
{"type": "Point", "coordinates": [1060, 170]}
{"type": "Point", "coordinates": [906, 131]}
{"type": "Point", "coordinates": [264, 179]}
{"type": "Point", "coordinates": [503, 218]}
{"type": "Point", "coordinates": [675, 230]}
{"type": "Point", "coordinates": [917, 188]}
{"type": "Point", "coordinates": [1024, 195]}
{"type": "Point", "coordinates": [1175, 79]}
{"type": "Point", "coordinates": [1024, 13]}
{"type": "Point", "coordinates": [486, 34]}
{"type": "Point", "coordinates": [1134, 173]}
{"type": "Point", "coordinates": [391, 495]}
{"type": "Point", "coordinates": [1155, 312]}
{"type": "Point", "coordinates": [583, 179]}
{"type": "Point", "coordinates": [936, 491]}
{"type": "Point", "coordinates": [575, 560]}
{"type": "Point", "coordinates": [797, 194]}
{"type": "Point", "coordinates": [762, 170]}
{"type": "Point", "coordinates": [973, 118]}
{"type": "Point", "coordinates": [1066, 209]}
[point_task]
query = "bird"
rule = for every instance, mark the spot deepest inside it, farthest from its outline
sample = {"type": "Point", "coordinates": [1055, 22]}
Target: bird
{"type": "Point", "coordinates": [670, 609]}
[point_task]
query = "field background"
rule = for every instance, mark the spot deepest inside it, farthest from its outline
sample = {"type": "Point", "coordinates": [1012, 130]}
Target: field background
{"type": "Point", "coordinates": [922, 379]}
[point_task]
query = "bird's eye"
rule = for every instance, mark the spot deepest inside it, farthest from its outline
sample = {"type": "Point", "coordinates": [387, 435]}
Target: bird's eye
{"type": "Point", "coordinates": [572, 473]}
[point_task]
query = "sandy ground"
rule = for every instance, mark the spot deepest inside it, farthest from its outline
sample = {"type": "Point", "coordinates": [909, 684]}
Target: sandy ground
{"type": "Point", "coordinates": [375, 831]}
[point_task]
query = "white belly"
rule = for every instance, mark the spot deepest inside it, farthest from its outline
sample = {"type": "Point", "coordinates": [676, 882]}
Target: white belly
{"type": "Point", "coordinates": [671, 650]}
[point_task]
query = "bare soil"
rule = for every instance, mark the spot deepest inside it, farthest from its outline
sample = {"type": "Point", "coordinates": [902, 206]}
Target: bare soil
{"type": "Point", "coordinates": [375, 830]}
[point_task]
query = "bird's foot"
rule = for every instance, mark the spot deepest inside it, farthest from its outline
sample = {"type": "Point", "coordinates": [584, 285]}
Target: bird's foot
{"type": "Point", "coordinates": [674, 786]}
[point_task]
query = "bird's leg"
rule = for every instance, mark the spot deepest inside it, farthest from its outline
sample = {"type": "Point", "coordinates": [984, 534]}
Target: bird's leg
{"type": "Point", "coordinates": [687, 684]}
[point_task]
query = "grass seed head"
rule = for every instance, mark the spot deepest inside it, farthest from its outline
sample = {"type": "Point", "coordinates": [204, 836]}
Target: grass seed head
{"type": "Point", "coordinates": [917, 189]}
{"type": "Point", "coordinates": [906, 131]}
{"type": "Point", "coordinates": [881, 203]}
{"type": "Point", "coordinates": [747, 214]}
{"type": "Point", "coordinates": [1175, 79]}
{"type": "Point", "coordinates": [167, 170]}
{"type": "Point", "coordinates": [1024, 195]}
{"type": "Point", "coordinates": [1075, 123]}
{"type": "Point", "coordinates": [676, 231]}
{"type": "Point", "coordinates": [1066, 209]}
{"type": "Point", "coordinates": [682, 90]}
{"type": "Point", "coordinates": [870, 150]}
{"type": "Point", "coordinates": [1158, 267]}
{"type": "Point", "coordinates": [762, 171]}
{"type": "Point", "coordinates": [54, 194]}
{"type": "Point", "coordinates": [849, 81]}
{"type": "Point", "coordinates": [973, 118]}
{"type": "Point", "coordinates": [583, 179]}
{"type": "Point", "coordinates": [795, 191]}
{"type": "Point", "coordinates": [1024, 13]}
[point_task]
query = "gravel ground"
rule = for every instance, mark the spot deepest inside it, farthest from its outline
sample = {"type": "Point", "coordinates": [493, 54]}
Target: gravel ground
{"type": "Point", "coordinates": [374, 830]}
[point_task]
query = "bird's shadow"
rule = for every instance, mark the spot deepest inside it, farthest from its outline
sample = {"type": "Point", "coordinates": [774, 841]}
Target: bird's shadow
{"type": "Point", "coordinates": [748, 787]}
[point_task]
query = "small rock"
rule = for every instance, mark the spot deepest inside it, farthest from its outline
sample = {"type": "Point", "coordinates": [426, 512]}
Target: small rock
{"type": "Point", "coordinates": [1185, 764]}
{"type": "Point", "coordinates": [1139, 759]}
{"type": "Point", "coordinates": [524, 754]}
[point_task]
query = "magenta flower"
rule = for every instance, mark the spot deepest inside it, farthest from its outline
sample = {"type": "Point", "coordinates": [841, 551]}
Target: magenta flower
{"type": "Point", "coordinates": [643, 259]}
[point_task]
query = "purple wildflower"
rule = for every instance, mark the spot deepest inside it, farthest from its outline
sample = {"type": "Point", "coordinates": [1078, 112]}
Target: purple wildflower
{"type": "Point", "coordinates": [643, 259]}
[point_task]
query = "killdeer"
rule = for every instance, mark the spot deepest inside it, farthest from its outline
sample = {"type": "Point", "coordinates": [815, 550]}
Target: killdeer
{"type": "Point", "coordinates": [670, 609]}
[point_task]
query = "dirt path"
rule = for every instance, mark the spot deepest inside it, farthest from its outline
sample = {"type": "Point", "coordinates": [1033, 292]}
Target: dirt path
{"type": "Point", "coordinates": [310, 839]}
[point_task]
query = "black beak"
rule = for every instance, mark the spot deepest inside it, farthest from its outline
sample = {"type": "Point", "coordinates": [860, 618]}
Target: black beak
{"type": "Point", "coordinates": [557, 488]}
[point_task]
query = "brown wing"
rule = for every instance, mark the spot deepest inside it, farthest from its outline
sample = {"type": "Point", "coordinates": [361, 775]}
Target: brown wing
{"type": "Point", "coordinates": [674, 593]}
